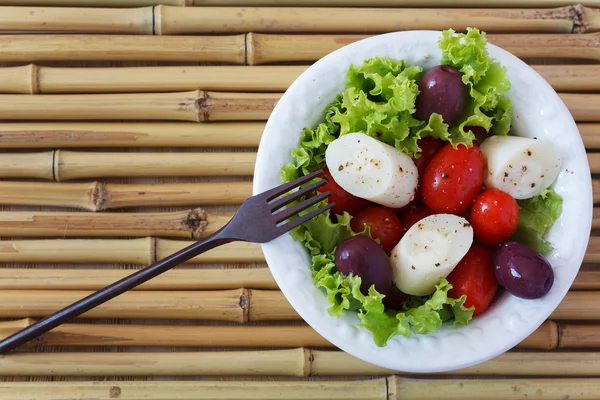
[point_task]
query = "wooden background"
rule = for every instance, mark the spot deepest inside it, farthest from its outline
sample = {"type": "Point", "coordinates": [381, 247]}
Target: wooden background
{"type": "Point", "coordinates": [106, 169]}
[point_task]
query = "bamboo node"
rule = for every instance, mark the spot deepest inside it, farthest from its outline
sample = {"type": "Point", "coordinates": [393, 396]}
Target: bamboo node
{"type": "Point", "coordinates": [309, 358]}
{"type": "Point", "coordinates": [54, 161]}
{"type": "Point", "coordinates": [153, 251]}
{"type": "Point", "coordinates": [35, 79]}
{"type": "Point", "coordinates": [249, 51]}
{"type": "Point", "coordinates": [579, 17]}
{"type": "Point", "coordinates": [196, 222]}
{"type": "Point", "coordinates": [245, 304]}
{"type": "Point", "coordinates": [97, 196]}
{"type": "Point", "coordinates": [204, 104]}
{"type": "Point", "coordinates": [391, 387]}
{"type": "Point", "coordinates": [114, 392]}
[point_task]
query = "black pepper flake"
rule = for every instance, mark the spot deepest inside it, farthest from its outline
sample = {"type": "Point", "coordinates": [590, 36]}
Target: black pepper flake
{"type": "Point", "coordinates": [506, 174]}
{"type": "Point", "coordinates": [541, 176]}
{"type": "Point", "coordinates": [509, 165]}
{"type": "Point", "coordinates": [413, 267]}
{"type": "Point", "coordinates": [420, 226]}
{"type": "Point", "coordinates": [444, 175]}
{"type": "Point", "coordinates": [437, 264]}
{"type": "Point", "coordinates": [523, 168]}
{"type": "Point", "coordinates": [529, 153]}
{"type": "Point", "coordinates": [466, 224]}
{"type": "Point", "coordinates": [533, 185]}
{"type": "Point", "coordinates": [400, 169]}
{"type": "Point", "coordinates": [340, 168]}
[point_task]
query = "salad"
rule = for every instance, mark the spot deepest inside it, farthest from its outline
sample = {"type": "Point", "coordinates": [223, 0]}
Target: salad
{"type": "Point", "coordinates": [437, 206]}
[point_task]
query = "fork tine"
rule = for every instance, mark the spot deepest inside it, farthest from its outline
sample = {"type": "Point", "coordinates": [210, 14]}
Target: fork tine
{"type": "Point", "coordinates": [290, 212]}
{"type": "Point", "coordinates": [281, 189]}
{"type": "Point", "coordinates": [299, 221]}
{"type": "Point", "coordinates": [284, 201]}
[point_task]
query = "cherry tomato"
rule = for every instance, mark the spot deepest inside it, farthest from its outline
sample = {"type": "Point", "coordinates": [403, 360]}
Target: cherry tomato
{"type": "Point", "coordinates": [429, 147]}
{"type": "Point", "coordinates": [474, 277]}
{"type": "Point", "coordinates": [394, 299]}
{"type": "Point", "coordinates": [480, 134]}
{"type": "Point", "coordinates": [453, 179]}
{"type": "Point", "coordinates": [343, 200]}
{"type": "Point", "coordinates": [384, 224]}
{"type": "Point", "coordinates": [494, 217]}
{"type": "Point", "coordinates": [414, 215]}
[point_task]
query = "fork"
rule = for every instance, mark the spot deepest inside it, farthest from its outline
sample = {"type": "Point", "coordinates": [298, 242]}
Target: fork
{"type": "Point", "coordinates": [260, 219]}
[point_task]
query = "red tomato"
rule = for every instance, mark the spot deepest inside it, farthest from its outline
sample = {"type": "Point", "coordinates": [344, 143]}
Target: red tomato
{"type": "Point", "coordinates": [494, 217]}
{"type": "Point", "coordinates": [384, 224]}
{"type": "Point", "coordinates": [394, 299]}
{"type": "Point", "coordinates": [480, 134]}
{"type": "Point", "coordinates": [414, 215]}
{"type": "Point", "coordinates": [429, 147]}
{"type": "Point", "coordinates": [474, 277]}
{"type": "Point", "coordinates": [343, 200]}
{"type": "Point", "coordinates": [453, 179]}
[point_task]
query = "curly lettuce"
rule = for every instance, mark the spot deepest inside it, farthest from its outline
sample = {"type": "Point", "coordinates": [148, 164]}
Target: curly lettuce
{"type": "Point", "coordinates": [420, 315]}
{"type": "Point", "coordinates": [488, 107]}
{"type": "Point", "coordinates": [536, 216]}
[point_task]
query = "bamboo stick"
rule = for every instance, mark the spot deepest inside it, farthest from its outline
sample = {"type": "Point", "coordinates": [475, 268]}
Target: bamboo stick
{"type": "Point", "coordinates": [65, 165]}
{"type": "Point", "coordinates": [77, 20]}
{"type": "Point", "coordinates": [177, 279]}
{"type": "Point", "coordinates": [592, 254]}
{"type": "Point", "coordinates": [237, 305]}
{"type": "Point", "coordinates": [596, 190]}
{"type": "Point", "coordinates": [492, 389]}
{"type": "Point", "coordinates": [595, 215]}
{"type": "Point", "coordinates": [182, 21]}
{"type": "Point", "coordinates": [570, 78]}
{"type": "Point", "coordinates": [95, 3]}
{"type": "Point", "coordinates": [149, 79]}
{"type": "Point", "coordinates": [378, 3]}
{"type": "Point", "coordinates": [33, 48]}
{"type": "Point", "coordinates": [293, 362]}
{"type": "Point", "coordinates": [271, 78]}
{"type": "Point", "coordinates": [142, 251]}
{"type": "Point", "coordinates": [130, 134]}
{"type": "Point", "coordinates": [545, 337]}
{"type": "Point", "coordinates": [578, 305]}
{"type": "Point", "coordinates": [96, 196]}
{"type": "Point", "coordinates": [594, 161]}
{"type": "Point", "coordinates": [584, 107]}
{"type": "Point", "coordinates": [587, 280]}
{"type": "Point", "coordinates": [272, 48]}
{"type": "Point", "coordinates": [181, 106]}
{"type": "Point", "coordinates": [372, 389]}
{"type": "Point", "coordinates": [192, 223]}
{"type": "Point", "coordinates": [220, 305]}
{"type": "Point", "coordinates": [390, 388]}
{"type": "Point", "coordinates": [174, 335]}
{"type": "Point", "coordinates": [590, 134]}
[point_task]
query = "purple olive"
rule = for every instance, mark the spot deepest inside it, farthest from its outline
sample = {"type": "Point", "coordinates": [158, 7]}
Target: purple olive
{"type": "Point", "coordinates": [522, 272]}
{"type": "Point", "coordinates": [442, 91]}
{"type": "Point", "coordinates": [362, 256]}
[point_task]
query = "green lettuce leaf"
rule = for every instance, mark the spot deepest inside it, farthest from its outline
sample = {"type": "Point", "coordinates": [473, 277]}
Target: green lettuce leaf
{"type": "Point", "coordinates": [536, 216]}
{"type": "Point", "coordinates": [488, 107]}
{"type": "Point", "coordinates": [423, 319]}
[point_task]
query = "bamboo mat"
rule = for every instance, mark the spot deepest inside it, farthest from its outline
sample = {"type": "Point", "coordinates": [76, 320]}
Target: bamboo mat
{"type": "Point", "coordinates": [127, 132]}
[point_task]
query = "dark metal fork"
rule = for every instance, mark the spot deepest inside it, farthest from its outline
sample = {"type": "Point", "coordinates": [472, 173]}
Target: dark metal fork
{"type": "Point", "coordinates": [259, 219]}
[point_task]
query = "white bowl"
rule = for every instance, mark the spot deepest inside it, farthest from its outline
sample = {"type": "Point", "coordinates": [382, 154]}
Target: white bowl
{"type": "Point", "coordinates": [538, 112]}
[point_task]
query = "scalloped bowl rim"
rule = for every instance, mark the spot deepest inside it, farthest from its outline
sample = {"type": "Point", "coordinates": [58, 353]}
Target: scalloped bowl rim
{"type": "Point", "coordinates": [509, 320]}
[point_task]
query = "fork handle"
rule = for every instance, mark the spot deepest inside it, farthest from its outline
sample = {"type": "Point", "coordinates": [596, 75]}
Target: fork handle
{"type": "Point", "coordinates": [103, 295]}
